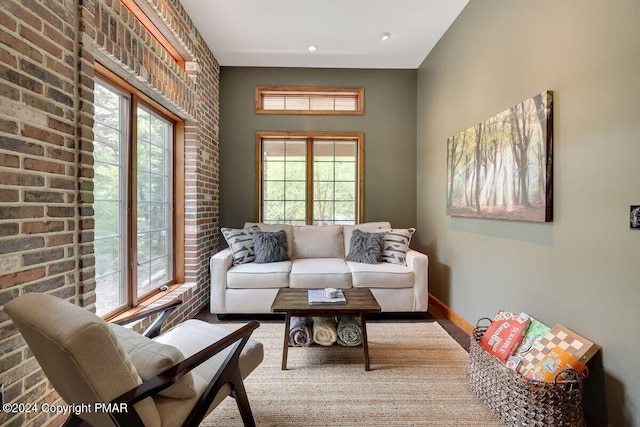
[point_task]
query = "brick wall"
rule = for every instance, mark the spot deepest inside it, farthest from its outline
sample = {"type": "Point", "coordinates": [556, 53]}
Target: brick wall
{"type": "Point", "coordinates": [47, 54]}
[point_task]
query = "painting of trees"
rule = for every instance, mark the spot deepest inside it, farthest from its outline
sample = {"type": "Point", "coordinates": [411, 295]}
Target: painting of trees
{"type": "Point", "coordinates": [501, 168]}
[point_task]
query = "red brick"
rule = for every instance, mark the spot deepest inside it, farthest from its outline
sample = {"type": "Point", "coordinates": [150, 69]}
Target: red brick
{"type": "Point", "coordinates": [59, 240]}
{"type": "Point", "coordinates": [8, 126]}
{"type": "Point", "coordinates": [62, 183]}
{"type": "Point", "coordinates": [60, 68]}
{"type": "Point", "coordinates": [45, 285]}
{"type": "Point", "coordinates": [42, 135]}
{"type": "Point", "coordinates": [44, 13]}
{"type": "Point", "coordinates": [8, 230]}
{"type": "Point", "coordinates": [9, 161]}
{"type": "Point", "coordinates": [23, 15]}
{"type": "Point", "coordinates": [13, 144]}
{"type": "Point", "coordinates": [44, 166]}
{"type": "Point", "coordinates": [18, 212]}
{"type": "Point", "coordinates": [19, 46]}
{"type": "Point", "coordinates": [40, 257]}
{"type": "Point", "coordinates": [61, 126]}
{"type": "Point", "coordinates": [10, 178]}
{"type": "Point", "coordinates": [13, 279]}
{"type": "Point", "coordinates": [43, 104]}
{"type": "Point", "coordinates": [40, 41]}
{"type": "Point", "coordinates": [22, 80]}
{"type": "Point", "coordinates": [37, 227]}
{"type": "Point", "coordinates": [61, 267]}
{"type": "Point", "coordinates": [58, 154]}
{"type": "Point", "coordinates": [8, 58]}
{"type": "Point", "coordinates": [9, 195]}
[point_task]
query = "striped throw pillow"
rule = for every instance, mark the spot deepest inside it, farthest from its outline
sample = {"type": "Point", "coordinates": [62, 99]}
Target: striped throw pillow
{"type": "Point", "coordinates": [241, 243]}
{"type": "Point", "coordinates": [396, 244]}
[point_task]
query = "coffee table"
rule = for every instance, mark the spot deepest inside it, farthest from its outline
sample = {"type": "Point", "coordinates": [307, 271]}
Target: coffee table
{"type": "Point", "coordinates": [294, 302]}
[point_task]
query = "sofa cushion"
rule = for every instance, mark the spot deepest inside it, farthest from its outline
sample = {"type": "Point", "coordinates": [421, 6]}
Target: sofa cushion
{"type": "Point", "coordinates": [367, 227]}
{"type": "Point", "coordinates": [241, 244]}
{"type": "Point", "coordinates": [396, 245]}
{"type": "Point", "coordinates": [253, 276]}
{"type": "Point", "coordinates": [320, 273]}
{"type": "Point", "coordinates": [151, 358]}
{"type": "Point", "coordinates": [383, 275]}
{"type": "Point", "coordinates": [318, 241]}
{"type": "Point", "coordinates": [288, 229]}
{"type": "Point", "coordinates": [366, 247]}
{"type": "Point", "coordinates": [270, 246]}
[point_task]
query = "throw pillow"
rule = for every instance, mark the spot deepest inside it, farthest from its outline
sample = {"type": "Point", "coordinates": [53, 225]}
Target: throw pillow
{"type": "Point", "coordinates": [396, 244]}
{"type": "Point", "coordinates": [270, 246]}
{"type": "Point", "coordinates": [365, 247]}
{"type": "Point", "coordinates": [240, 243]}
{"type": "Point", "coordinates": [151, 358]}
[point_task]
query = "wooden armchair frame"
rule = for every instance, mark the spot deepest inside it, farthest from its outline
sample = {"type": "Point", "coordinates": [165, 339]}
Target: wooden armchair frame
{"type": "Point", "coordinates": [228, 373]}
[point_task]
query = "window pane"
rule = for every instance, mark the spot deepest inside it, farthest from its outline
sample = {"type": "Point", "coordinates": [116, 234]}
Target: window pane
{"type": "Point", "coordinates": [323, 171]}
{"type": "Point", "coordinates": [154, 201]}
{"type": "Point", "coordinates": [323, 212]}
{"type": "Point", "coordinates": [295, 171]}
{"type": "Point", "coordinates": [294, 211]}
{"type": "Point", "coordinates": [296, 190]}
{"type": "Point", "coordinates": [110, 136]}
{"type": "Point", "coordinates": [273, 170]}
{"type": "Point", "coordinates": [345, 211]}
{"type": "Point", "coordinates": [323, 190]}
{"type": "Point", "coordinates": [335, 183]}
{"type": "Point", "coordinates": [345, 191]}
{"type": "Point", "coordinates": [273, 211]}
{"type": "Point", "coordinates": [296, 103]}
{"type": "Point", "coordinates": [345, 171]}
{"type": "Point", "coordinates": [273, 190]}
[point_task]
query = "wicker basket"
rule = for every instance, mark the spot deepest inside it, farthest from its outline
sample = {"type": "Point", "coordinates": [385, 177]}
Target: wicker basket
{"type": "Point", "coordinates": [519, 401]}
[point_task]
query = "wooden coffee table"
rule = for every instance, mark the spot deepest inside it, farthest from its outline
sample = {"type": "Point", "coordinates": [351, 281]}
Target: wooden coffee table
{"type": "Point", "coordinates": [294, 302]}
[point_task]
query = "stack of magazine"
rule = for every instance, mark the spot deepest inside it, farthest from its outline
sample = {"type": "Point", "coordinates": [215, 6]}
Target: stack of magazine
{"type": "Point", "coordinates": [316, 296]}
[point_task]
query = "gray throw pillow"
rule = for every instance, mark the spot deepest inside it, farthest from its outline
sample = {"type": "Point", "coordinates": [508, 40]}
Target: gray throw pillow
{"type": "Point", "coordinates": [366, 247]}
{"type": "Point", "coordinates": [270, 246]}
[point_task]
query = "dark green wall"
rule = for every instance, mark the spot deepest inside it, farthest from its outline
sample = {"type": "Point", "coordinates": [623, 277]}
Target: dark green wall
{"type": "Point", "coordinates": [389, 126]}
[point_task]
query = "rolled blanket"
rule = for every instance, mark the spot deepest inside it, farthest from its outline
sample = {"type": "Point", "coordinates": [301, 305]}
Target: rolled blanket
{"type": "Point", "coordinates": [349, 331]}
{"type": "Point", "coordinates": [324, 330]}
{"type": "Point", "coordinates": [301, 332]}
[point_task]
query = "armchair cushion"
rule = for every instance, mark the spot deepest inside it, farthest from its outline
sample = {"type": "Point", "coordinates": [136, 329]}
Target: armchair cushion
{"type": "Point", "coordinates": [151, 358]}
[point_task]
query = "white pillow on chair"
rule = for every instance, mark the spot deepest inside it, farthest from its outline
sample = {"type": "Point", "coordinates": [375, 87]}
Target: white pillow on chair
{"type": "Point", "coordinates": [151, 358]}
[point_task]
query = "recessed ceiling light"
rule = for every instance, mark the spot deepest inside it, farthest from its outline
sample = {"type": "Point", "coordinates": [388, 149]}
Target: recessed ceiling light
{"type": "Point", "coordinates": [312, 48]}
{"type": "Point", "coordinates": [385, 36]}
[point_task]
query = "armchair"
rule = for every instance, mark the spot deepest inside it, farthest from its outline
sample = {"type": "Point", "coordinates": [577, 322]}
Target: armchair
{"type": "Point", "coordinates": [112, 376]}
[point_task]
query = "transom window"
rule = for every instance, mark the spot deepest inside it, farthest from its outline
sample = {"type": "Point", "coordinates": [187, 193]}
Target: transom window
{"type": "Point", "coordinates": [307, 178]}
{"type": "Point", "coordinates": [309, 100]}
{"type": "Point", "coordinates": [133, 198]}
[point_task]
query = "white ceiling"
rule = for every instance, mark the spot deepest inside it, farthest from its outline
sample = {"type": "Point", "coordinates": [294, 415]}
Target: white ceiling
{"type": "Point", "coordinates": [276, 33]}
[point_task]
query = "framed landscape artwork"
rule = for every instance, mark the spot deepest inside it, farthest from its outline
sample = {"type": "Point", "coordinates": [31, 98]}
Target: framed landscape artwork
{"type": "Point", "coordinates": [502, 167]}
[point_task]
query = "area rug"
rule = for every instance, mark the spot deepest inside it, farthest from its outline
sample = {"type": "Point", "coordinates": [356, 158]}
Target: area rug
{"type": "Point", "coordinates": [417, 379]}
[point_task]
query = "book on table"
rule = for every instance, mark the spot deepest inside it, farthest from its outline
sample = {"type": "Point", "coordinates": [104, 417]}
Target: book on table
{"type": "Point", "coordinates": [316, 296]}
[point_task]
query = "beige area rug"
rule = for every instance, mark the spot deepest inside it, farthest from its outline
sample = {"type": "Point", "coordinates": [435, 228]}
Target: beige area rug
{"type": "Point", "coordinates": [417, 379]}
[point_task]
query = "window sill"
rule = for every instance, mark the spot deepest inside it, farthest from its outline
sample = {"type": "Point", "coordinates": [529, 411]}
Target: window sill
{"type": "Point", "coordinates": [162, 297]}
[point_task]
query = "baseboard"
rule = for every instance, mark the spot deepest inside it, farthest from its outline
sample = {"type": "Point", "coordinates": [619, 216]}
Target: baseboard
{"type": "Point", "coordinates": [455, 318]}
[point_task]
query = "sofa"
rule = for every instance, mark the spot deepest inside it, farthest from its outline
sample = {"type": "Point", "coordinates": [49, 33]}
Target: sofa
{"type": "Point", "coordinates": [317, 259]}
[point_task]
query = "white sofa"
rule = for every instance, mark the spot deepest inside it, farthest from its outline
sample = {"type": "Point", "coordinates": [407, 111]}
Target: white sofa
{"type": "Point", "coordinates": [317, 260]}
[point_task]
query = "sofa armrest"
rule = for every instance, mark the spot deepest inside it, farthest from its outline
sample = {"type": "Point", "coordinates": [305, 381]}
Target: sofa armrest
{"type": "Point", "coordinates": [220, 264]}
{"type": "Point", "coordinates": [419, 263]}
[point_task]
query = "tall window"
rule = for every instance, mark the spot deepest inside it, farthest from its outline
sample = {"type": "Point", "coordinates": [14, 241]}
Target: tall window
{"type": "Point", "coordinates": [307, 178]}
{"type": "Point", "coordinates": [133, 198]}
